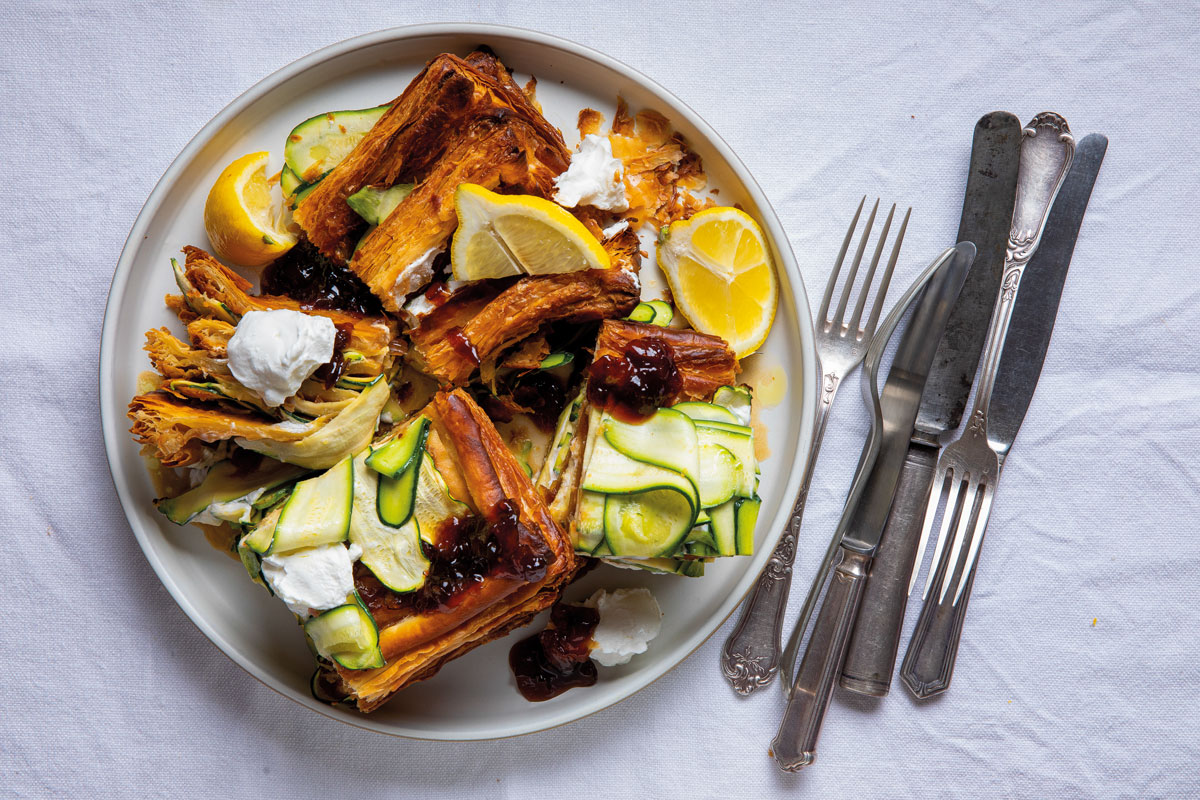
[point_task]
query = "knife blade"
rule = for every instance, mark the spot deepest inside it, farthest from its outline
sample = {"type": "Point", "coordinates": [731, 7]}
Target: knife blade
{"type": "Point", "coordinates": [929, 661]}
{"type": "Point", "coordinates": [1037, 303]}
{"type": "Point", "coordinates": [986, 218]}
{"type": "Point", "coordinates": [795, 745]}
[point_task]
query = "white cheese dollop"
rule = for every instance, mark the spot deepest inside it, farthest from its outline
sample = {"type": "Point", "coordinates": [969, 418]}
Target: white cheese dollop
{"type": "Point", "coordinates": [315, 578]}
{"type": "Point", "coordinates": [629, 619]}
{"type": "Point", "coordinates": [593, 178]}
{"type": "Point", "coordinates": [272, 352]}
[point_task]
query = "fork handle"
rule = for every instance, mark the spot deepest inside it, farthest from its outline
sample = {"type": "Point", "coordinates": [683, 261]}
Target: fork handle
{"type": "Point", "coordinates": [929, 661]}
{"type": "Point", "coordinates": [795, 746]}
{"type": "Point", "coordinates": [871, 655]}
{"type": "Point", "coordinates": [750, 657]}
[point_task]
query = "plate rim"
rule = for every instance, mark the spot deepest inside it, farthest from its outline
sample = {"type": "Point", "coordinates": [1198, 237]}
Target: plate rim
{"type": "Point", "coordinates": [114, 437]}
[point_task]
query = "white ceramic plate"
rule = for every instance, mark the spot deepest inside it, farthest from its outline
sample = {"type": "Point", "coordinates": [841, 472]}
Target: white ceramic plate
{"type": "Point", "coordinates": [474, 697]}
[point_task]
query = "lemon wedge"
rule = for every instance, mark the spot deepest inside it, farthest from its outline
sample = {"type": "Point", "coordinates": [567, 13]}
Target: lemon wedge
{"type": "Point", "coordinates": [514, 234]}
{"type": "Point", "coordinates": [719, 268]}
{"type": "Point", "coordinates": [244, 224]}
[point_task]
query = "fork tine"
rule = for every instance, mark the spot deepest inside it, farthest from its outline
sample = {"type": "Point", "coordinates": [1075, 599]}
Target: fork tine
{"type": "Point", "coordinates": [866, 285]}
{"type": "Point", "coordinates": [966, 508]}
{"type": "Point", "coordinates": [848, 286]}
{"type": "Point", "coordinates": [936, 489]}
{"type": "Point", "coordinates": [944, 532]}
{"type": "Point", "coordinates": [823, 314]}
{"type": "Point", "coordinates": [977, 531]}
{"type": "Point", "coordinates": [869, 330]}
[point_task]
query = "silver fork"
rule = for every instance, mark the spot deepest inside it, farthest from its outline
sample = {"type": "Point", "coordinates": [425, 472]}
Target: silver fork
{"type": "Point", "coordinates": [751, 656]}
{"type": "Point", "coordinates": [968, 467]}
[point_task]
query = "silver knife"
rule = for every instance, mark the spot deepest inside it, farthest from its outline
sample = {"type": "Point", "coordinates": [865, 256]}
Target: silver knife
{"type": "Point", "coordinates": [795, 745]}
{"type": "Point", "coordinates": [929, 662]}
{"type": "Point", "coordinates": [986, 217]}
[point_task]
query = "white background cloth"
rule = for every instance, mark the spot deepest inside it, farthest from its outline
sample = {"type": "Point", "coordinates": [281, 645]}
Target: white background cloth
{"type": "Point", "coordinates": [1080, 661]}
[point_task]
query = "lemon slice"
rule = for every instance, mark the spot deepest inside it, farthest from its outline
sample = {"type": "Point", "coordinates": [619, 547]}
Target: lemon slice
{"type": "Point", "coordinates": [244, 224]}
{"type": "Point", "coordinates": [500, 235]}
{"type": "Point", "coordinates": [720, 271]}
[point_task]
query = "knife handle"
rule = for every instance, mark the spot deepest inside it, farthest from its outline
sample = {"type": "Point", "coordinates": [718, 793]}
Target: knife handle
{"type": "Point", "coordinates": [871, 656]}
{"type": "Point", "coordinates": [795, 746]}
{"type": "Point", "coordinates": [929, 661]}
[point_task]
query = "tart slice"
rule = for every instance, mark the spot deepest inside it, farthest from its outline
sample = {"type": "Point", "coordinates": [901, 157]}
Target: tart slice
{"type": "Point", "coordinates": [458, 548]}
{"type": "Point", "coordinates": [653, 465]}
{"type": "Point", "coordinates": [198, 402]}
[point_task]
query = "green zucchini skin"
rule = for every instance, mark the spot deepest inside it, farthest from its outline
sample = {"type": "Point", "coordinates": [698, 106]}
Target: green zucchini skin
{"type": "Point", "coordinates": [396, 497]}
{"type": "Point", "coordinates": [348, 635]}
{"type": "Point", "coordinates": [392, 553]}
{"type": "Point", "coordinates": [556, 360]}
{"type": "Point", "coordinates": [400, 453]}
{"type": "Point", "coordinates": [225, 483]}
{"type": "Point", "coordinates": [375, 205]}
{"type": "Point", "coordinates": [320, 143]}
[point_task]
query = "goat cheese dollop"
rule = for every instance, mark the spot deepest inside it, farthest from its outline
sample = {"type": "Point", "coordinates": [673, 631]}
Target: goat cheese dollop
{"type": "Point", "coordinates": [593, 177]}
{"type": "Point", "coordinates": [629, 619]}
{"type": "Point", "coordinates": [315, 578]}
{"type": "Point", "coordinates": [273, 352]}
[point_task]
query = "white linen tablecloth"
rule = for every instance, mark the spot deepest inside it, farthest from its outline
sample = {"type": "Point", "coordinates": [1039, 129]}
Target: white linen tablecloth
{"type": "Point", "coordinates": [1080, 661]}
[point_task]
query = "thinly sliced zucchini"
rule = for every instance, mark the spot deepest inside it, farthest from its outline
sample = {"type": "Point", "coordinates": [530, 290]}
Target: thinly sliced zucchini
{"type": "Point", "coordinates": [732, 427]}
{"type": "Point", "coordinates": [356, 383]}
{"type": "Point", "coordinates": [224, 483]}
{"type": "Point", "coordinates": [737, 440]}
{"type": "Point", "coordinates": [612, 472]}
{"type": "Point", "coordinates": [736, 399]}
{"type": "Point", "coordinates": [392, 553]}
{"type": "Point", "coordinates": [289, 181]}
{"type": "Point", "coordinates": [375, 205]}
{"type": "Point", "coordinates": [434, 503]}
{"type": "Point", "coordinates": [262, 536]}
{"type": "Point", "coordinates": [402, 452]}
{"type": "Point", "coordinates": [318, 512]}
{"type": "Point", "coordinates": [647, 524]}
{"type": "Point", "coordinates": [663, 313]}
{"type": "Point", "coordinates": [252, 562]}
{"type": "Point", "coordinates": [304, 191]}
{"type": "Point", "coordinates": [653, 312]}
{"type": "Point", "coordinates": [701, 412]}
{"type": "Point", "coordinates": [666, 439]}
{"type": "Point", "coordinates": [556, 360]}
{"type": "Point", "coordinates": [642, 312]}
{"type": "Point", "coordinates": [702, 534]}
{"type": "Point", "coordinates": [268, 500]}
{"type": "Point", "coordinates": [747, 516]}
{"type": "Point", "coordinates": [348, 635]}
{"type": "Point", "coordinates": [724, 528]}
{"type": "Point", "coordinates": [688, 567]}
{"type": "Point", "coordinates": [589, 522]}
{"type": "Point", "coordinates": [560, 447]}
{"type": "Point", "coordinates": [719, 475]}
{"type": "Point", "coordinates": [398, 496]}
{"type": "Point", "coordinates": [700, 549]}
{"type": "Point", "coordinates": [319, 144]}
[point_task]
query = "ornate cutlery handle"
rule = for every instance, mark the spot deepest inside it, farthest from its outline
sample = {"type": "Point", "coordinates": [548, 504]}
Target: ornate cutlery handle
{"type": "Point", "coordinates": [750, 657]}
{"type": "Point", "coordinates": [929, 661]}
{"type": "Point", "coordinates": [795, 746]}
